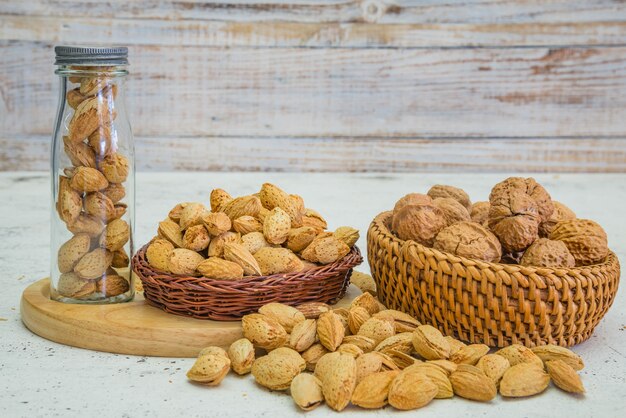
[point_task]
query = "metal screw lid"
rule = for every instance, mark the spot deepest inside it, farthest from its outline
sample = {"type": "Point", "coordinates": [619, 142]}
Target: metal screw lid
{"type": "Point", "coordinates": [91, 55]}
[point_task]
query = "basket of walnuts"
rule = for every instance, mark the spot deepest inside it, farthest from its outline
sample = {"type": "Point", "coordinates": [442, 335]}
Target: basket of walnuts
{"type": "Point", "coordinates": [243, 253]}
{"type": "Point", "coordinates": [519, 268]}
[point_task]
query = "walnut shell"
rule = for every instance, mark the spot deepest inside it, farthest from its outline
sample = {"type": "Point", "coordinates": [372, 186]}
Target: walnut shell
{"type": "Point", "coordinates": [480, 212]}
{"type": "Point", "coordinates": [561, 213]}
{"type": "Point", "coordinates": [440, 190]}
{"type": "Point", "coordinates": [518, 206]}
{"type": "Point", "coordinates": [585, 239]}
{"type": "Point", "coordinates": [470, 240]}
{"type": "Point", "coordinates": [412, 199]}
{"type": "Point", "coordinates": [453, 211]}
{"type": "Point", "coordinates": [420, 223]}
{"type": "Point", "coordinates": [548, 253]}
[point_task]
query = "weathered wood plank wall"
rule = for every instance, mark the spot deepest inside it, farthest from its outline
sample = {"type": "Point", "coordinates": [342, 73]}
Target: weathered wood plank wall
{"type": "Point", "coordinates": [372, 85]}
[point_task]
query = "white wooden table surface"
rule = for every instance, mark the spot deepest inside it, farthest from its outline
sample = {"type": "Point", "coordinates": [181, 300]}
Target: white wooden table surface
{"type": "Point", "coordinates": [42, 378]}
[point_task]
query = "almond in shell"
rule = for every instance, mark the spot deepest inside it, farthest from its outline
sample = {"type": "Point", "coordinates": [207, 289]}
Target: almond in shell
{"type": "Point", "coordinates": [306, 391]}
{"type": "Point", "coordinates": [564, 376]}
{"type": "Point", "coordinates": [330, 330]}
{"type": "Point", "coordinates": [338, 376]}
{"type": "Point", "coordinates": [209, 369]}
{"type": "Point", "coordinates": [219, 269]}
{"type": "Point", "coordinates": [72, 286]}
{"type": "Point", "coordinates": [469, 354]}
{"type": "Point", "coordinates": [242, 206]}
{"type": "Point", "coordinates": [277, 260]}
{"type": "Point", "coordinates": [254, 241]}
{"type": "Point", "coordinates": [115, 168]}
{"type": "Point", "coordinates": [470, 382]}
{"type": "Point", "coordinates": [372, 391]}
{"type": "Point", "coordinates": [99, 206]}
{"type": "Point", "coordinates": [103, 141]}
{"type": "Point", "coordinates": [216, 223]}
{"type": "Point", "coordinates": [436, 375]}
{"type": "Point", "coordinates": [94, 264]}
{"type": "Point", "coordinates": [411, 391]}
{"type": "Point", "coordinates": [115, 192]}
{"type": "Point", "coordinates": [325, 249]}
{"type": "Point", "coordinates": [276, 226]}
{"type": "Point", "coordinates": [312, 355]}
{"type": "Point", "coordinates": [219, 198]}
{"type": "Point", "coordinates": [216, 246]}
{"type": "Point", "coordinates": [192, 214]}
{"type": "Point", "coordinates": [72, 251]}
{"type": "Point", "coordinates": [303, 335]}
{"type": "Point", "coordinates": [357, 317]}
{"type": "Point", "coordinates": [116, 235]}
{"type": "Point", "coordinates": [120, 259]}
{"type": "Point", "coordinates": [554, 352]}
{"type": "Point", "coordinates": [246, 224]}
{"type": "Point", "coordinates": [170, 230]}
{"type": "Point", "coordinates": [184, 261]}
{"type": "Point", "coordinates": [517, 353]}
{"type": "Point", "coordinates": [241, 354]}
{"type": "Point", "coordinates": [430, 344]}
{"type": "Point", "coordinates": [314, 219]}
{"type": "Point", "coordinates": [275, 372]}
{"type": "Point", "coordinates": [89, 114]}
{"type": "Point", "coordinates": [493, 366]}
{"type": "Point", "coordinates": [158, 254]}
{"type": "Point", "coordinates": [238, 254]}
{"type": "Point", "coordinates": [285, 315]}
{"type": "Point", "coordinates": [79, 153]}
{"type": "Point", "coordinates": [524, 379]}
{"type": "Point", "coordinates": [347, 234]}
{"type": "Point", "coordinates": [402, 322]}
{"type": "Point", "coordinates": [196, 238]}
{"type": "Point", "coordinates": [312, 310]}
{"type": "Point", "coordinates": [263, 332]}
{"type": "Point", "coordinates": [299, 238]}
{"type": "Point", "coordinates": [112, 285]}
{"type": "Point", "coordinates": [87, 179]}
{"type": "Point", "coordinates": [272, 196]}
{"type": "Point", "coordinates": [368, 302]}
{"type": "Point", "coordinates": [377, 329]}
{"type": "Point", "coordinates": [86, 224]}
{"type": "Point", "coordinates": [69, 203]}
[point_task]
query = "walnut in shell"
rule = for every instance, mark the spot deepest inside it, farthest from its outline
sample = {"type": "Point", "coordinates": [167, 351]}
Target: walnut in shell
{"type": "Point", "coordinates": [585, 239]}
{"type": "Point", "coordinates": [561, 213]}
{"type": "Point", "coordinates": [420, 223]}
{"type": "Point", "coordinates": [518, 206]}
{"type": "Point", "coordinates": [453, 211]}
{"type": "Point", "coordinates": [471, 240]}
{"type": "Point", "coordinates": [440, 190]}
{"type": "Point", "coordinates": [412, 199]}
{"type": "Point", "coordinates": [480, 212]}
{"type": "Point", "coordinates": [547, 253]}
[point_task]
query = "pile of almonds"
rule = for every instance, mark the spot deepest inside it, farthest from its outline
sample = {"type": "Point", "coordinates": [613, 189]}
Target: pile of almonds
{"type": "Point", "coordinates": [271, 232]}
{"type": "Point", "coordinates": [90, 196]}
{"type": "Point", "coordinates": [520, 224]}
{"type": "Point", "coordinates": [371, 356]}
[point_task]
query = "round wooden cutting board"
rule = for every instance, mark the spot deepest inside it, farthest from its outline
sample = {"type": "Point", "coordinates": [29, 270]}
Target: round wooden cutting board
{"type": "Point", "coordinates": [127, 328]}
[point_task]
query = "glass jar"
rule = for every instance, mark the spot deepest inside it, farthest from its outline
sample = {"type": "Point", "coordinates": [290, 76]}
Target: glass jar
{"type": "Point", "coordinates": [93, 179]}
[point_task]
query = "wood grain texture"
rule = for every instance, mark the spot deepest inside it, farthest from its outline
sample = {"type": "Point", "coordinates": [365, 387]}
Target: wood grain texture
{"type": "Point", "coordinates": [127, 328]}
{"type": "Point", "coordinates": [190, 32]}
{"type": "Point", "coordinates": [206, 91]}
{"type": "Point", "coordinates": [340, 11]}
{"type": "Point", "coordinates": [348, 154]}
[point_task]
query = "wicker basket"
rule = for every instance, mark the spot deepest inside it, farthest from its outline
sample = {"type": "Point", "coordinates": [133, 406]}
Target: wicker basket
{"type": "Point", "coordinates": [489, 303]}
{"type": "Point", "coordinates": [225, 300]}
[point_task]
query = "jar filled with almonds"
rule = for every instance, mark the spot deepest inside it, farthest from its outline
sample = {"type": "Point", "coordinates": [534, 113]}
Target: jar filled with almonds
{"type": "Point", "coordinates": [92, 178]}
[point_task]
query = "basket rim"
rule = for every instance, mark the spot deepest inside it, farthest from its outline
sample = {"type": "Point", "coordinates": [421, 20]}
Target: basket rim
{"type": "Point", "coordinates": [351, 260]}
{"type": "Point", "coordinates": [381, 219]}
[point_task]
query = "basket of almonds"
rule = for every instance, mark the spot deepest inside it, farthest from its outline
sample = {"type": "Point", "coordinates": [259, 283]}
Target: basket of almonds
{"type": "Point", "coordinates": [245, 252]}
{"type": "Point", "coordinates": [519, 268]}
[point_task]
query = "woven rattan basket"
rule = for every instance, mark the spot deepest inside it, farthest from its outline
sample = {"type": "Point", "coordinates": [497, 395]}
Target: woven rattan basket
{"type": "Point", "coordinates": [490, 303]}
{"type": "Point", "coordinates": [227, 300]}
